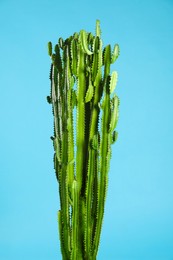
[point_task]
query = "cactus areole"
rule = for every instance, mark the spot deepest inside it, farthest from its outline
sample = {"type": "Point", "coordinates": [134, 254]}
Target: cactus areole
{"type": "Point", "coordinates": [85, 111]}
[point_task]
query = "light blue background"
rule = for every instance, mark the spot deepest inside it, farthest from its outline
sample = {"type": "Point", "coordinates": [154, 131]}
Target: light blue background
{"type": "Point", "coordinates": [138, 222]}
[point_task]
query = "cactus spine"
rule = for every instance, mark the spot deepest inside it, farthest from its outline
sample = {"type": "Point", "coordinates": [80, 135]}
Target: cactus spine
{"type": "Point", "coordinates": [81, 96]}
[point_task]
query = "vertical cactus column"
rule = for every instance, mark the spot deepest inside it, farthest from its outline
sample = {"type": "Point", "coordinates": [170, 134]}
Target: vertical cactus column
{"type": "Point", "coordinates": [85, 110]}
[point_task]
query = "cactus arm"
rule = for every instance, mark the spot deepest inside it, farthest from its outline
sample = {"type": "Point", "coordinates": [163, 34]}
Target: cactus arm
{"type": "Point", "coordinates": [73, 54]}
{"type": "Point", "coordinates": [80, 139]}
{"type": "Point", "coordinates": [75, 221]}
{"type": "Point", "coordinates": [98, 30]}
{"type": "Point", "coordinates": [61, 42]}
{"type": "Point", "coordinates": [95, 65]}
{"type": "Point", "coordinates": [53, 99]}
{"type": "Point", "coordinates": [93, 139]}
{"type": "Point", "coordinates": [107, 61]}
{"type": "Point", "coordinates": [64, 181]}
{"type": "Point", "coordinates": [85, 43]}
{"type": "Point", "coordinates": [104, 161]}
{"type": "Point", "coordinates": [114, 113]}
{"type": "Point", "coordinates": [113, 81]}
{"type": "Point", "coordinates": [115, 53]}
{"type": "Point", "coordinates": [55, 107]}
{"type": "Point", "coordinates": [90, 92]}
{"type": "Point", "coordinates": [94, 210]}
{"type": "Point", "coordinates": [56, 92]}
{"type": "Point", "coordinates": [104, 148]}
{"type": "Point", "coordinates": [49, 48]}
{"type": "Point", "coordinates": [114, 137]}
{"type": "Point", "coordinates": [70, 141]}
{"type": "Point", "coordinates": [89, 196]}
{"type": "Point", "coordinates": [58, 61]}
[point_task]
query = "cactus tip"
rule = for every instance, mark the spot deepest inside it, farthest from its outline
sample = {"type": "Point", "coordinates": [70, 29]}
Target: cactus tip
{"type": "Point", "coordinates": [49, 48]}
{"type": "Point", "coordinates": [98, 30]}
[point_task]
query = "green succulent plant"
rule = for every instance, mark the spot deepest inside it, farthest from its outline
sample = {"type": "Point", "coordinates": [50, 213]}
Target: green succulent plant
{"type": "Point", "coordinates": [85, 111]}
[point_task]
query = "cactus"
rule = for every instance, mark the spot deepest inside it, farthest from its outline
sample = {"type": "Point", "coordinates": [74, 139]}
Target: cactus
{"type": "Point", "coordinates": [85, 110]}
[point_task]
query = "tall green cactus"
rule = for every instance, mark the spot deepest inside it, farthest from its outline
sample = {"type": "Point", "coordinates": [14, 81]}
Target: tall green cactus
{"type": "Point", "coordinates": [85, 110]}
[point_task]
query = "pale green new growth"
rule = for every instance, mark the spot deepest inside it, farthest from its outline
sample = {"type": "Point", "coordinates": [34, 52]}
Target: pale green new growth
{"type": "Point", "coordinates": [85, 110]}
